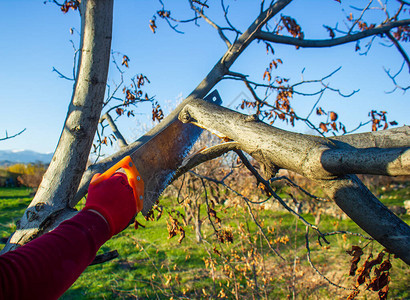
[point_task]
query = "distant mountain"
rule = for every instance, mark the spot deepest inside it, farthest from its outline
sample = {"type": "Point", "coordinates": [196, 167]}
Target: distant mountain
{"type": "Point", "coordinates": [23, 156]}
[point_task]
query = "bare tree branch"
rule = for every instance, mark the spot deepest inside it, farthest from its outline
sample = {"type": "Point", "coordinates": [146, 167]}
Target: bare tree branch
{"type": "Point", "coordinates": [399, 48]}
{"type": "Point", "coordinates": [280, 39]}
{"type": "Point", "coordinates": [247, 201]}
{"type": "Point", "coordinates": [12, 136]}
{"type": "Point", "coordinates": [210, 22]}
{"type": "Point", "coordinates": [314, 267]}
{"type": "Point", "coordinates": [303, 154]}
{"type": "Point", "coordinates": [202, 156]}
{"type": "Point", "coordinates": [390, 138]}
{"type": "Point", "coordinates": [121, 140]}
{"type": "Point", "coordinates": [393, 78]}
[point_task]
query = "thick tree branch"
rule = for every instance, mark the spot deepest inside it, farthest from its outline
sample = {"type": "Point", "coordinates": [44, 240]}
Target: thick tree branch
{"type": "Point", "coordinates": [391, 138]}
{"type": "Point", "coordinates": [375, 161]}
{"type": "Point", "coordinates": [280, 39]}
{"type": "Point", "coordinates": [303, 154]}
{"type": "Point", "coordinates": [311, 156]}
{"type": "Point", "coordinates": [370, 214]}
{"type": "Point", "coordinates": [269, 145]}
{"type": "Point", "coordinates": [61, 180]}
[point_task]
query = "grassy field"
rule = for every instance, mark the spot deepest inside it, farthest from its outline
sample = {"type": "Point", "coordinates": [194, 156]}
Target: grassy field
{"type": "Point", "coordinates": [152, 266]}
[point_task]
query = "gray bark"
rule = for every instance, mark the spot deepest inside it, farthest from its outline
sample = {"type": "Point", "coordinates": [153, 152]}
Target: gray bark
{"type": "Point", "coordinates": [370, 214]}
{"type": "Point", "coordinates": [391, 138]}
{"type": "Point", "coordinates": [63, 176]}
{"type": "Point", "coordinates": [316, 158]}
{"type": "Point", "coordinates": [373, 161]}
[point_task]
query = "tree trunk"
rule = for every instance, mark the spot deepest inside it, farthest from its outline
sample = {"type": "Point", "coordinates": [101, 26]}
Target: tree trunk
{"type": "Point", "coordinates": [63, 176]}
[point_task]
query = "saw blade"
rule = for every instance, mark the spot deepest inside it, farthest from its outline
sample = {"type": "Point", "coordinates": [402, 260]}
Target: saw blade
{"type": "Point", "coordinates": [158, 159]}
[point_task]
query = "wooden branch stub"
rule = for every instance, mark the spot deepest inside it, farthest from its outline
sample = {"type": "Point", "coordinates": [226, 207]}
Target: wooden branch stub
{"type": "Point", "coordinates": [102, 258]}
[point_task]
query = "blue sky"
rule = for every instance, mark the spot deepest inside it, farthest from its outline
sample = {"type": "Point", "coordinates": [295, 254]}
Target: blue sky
{"type": "Point", "coordinates": [36, 38]}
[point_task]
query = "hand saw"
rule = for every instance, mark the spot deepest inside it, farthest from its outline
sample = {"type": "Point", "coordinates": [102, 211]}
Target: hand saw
{"type": "Point", "coordinates": [150, 168]}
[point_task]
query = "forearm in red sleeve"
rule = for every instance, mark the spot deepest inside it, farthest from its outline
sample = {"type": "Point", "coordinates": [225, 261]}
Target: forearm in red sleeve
{"type": "Point", "coordinates": [47, 266]}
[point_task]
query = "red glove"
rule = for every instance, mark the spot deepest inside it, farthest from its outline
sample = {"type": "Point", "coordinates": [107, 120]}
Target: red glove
{"type": "Point", "coordinates": [114, 199]}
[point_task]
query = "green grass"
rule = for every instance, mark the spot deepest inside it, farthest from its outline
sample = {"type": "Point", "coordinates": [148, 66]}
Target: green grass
{"type": "Point", "coordinates": [13, 202]}
{"type": "Point", "coordinates": [152, 266]}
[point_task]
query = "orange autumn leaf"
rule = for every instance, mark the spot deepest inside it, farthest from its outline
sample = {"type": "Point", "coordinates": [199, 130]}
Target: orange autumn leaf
{"type": "Point", "coordinates": [125, 60]}
{"type": "Point", "coordinates": [323, 127]}
{"type": "Point", "coordinates": [267, 74]}
{"type": "Point", "coordinates": [152, 25]}
{"type": "Point", "coordinates": [319, 111]}
{"type": "Point", "coordinates": [119, 111]}
{"type": "Point", "coordinates": [333, 116]}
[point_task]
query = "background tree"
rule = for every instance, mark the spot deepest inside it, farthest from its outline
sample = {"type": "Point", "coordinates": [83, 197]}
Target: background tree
{"type": "Point", "coordinates": [329, 161]}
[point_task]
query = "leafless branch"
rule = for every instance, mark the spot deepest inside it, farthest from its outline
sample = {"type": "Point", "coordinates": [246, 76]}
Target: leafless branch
{"type": "Point", "coordinates": [399, 48]}
{"type": "Point", "coordinates": [348, 232]}
{"type": "Point", "coordinates": [280, 39]}
{"type": "Point", "coordinates": [166, 15]}
{"type": "Point", "coordinates": [271, 192]}
{"type": "Point", "coordinates": [200, 12]}
{"type": "Point", "coordinates": [394, 80]}
{"type": "Point", "coordinates": [293, 184]}
{"type": "Point", "coordinates": [247, 203]}
{"type": "Point", "coordinates": [12, 136]}
{"type": "Point", "coordinates": [360, 17]}
{"type": "Point", "coordinates": [120, 138]}
{"type": "Point", "coordinates": [61, 75]}
{"type": "Point", "coordinates": [225, 9]}
{"type": "Point", "coordinates": [270, 86]}
{"type": "Point", "coordinates": [361, 124]}
{"type": "Point", "coordinates": [314, 267]}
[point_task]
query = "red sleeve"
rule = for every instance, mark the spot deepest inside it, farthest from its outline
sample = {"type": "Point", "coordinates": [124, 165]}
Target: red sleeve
{"type": "Point", "coordinates": [47, 266]}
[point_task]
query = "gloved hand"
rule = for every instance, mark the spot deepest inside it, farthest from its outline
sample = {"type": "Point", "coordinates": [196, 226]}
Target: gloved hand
{"type": "Point", "coordinates": [114, 199]}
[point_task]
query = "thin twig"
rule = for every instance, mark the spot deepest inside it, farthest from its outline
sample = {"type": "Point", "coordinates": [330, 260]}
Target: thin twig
{"type": "Point", "coordinates": [314, 267]}
{"type": "Point", "coordinates": [260, 179]}
{"type": "Point", "coordinates": [12, 136]}
{"type": "Point", "coordinates": [399, 48]}
{"type": "Point", "coordinates": [348, 232]}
